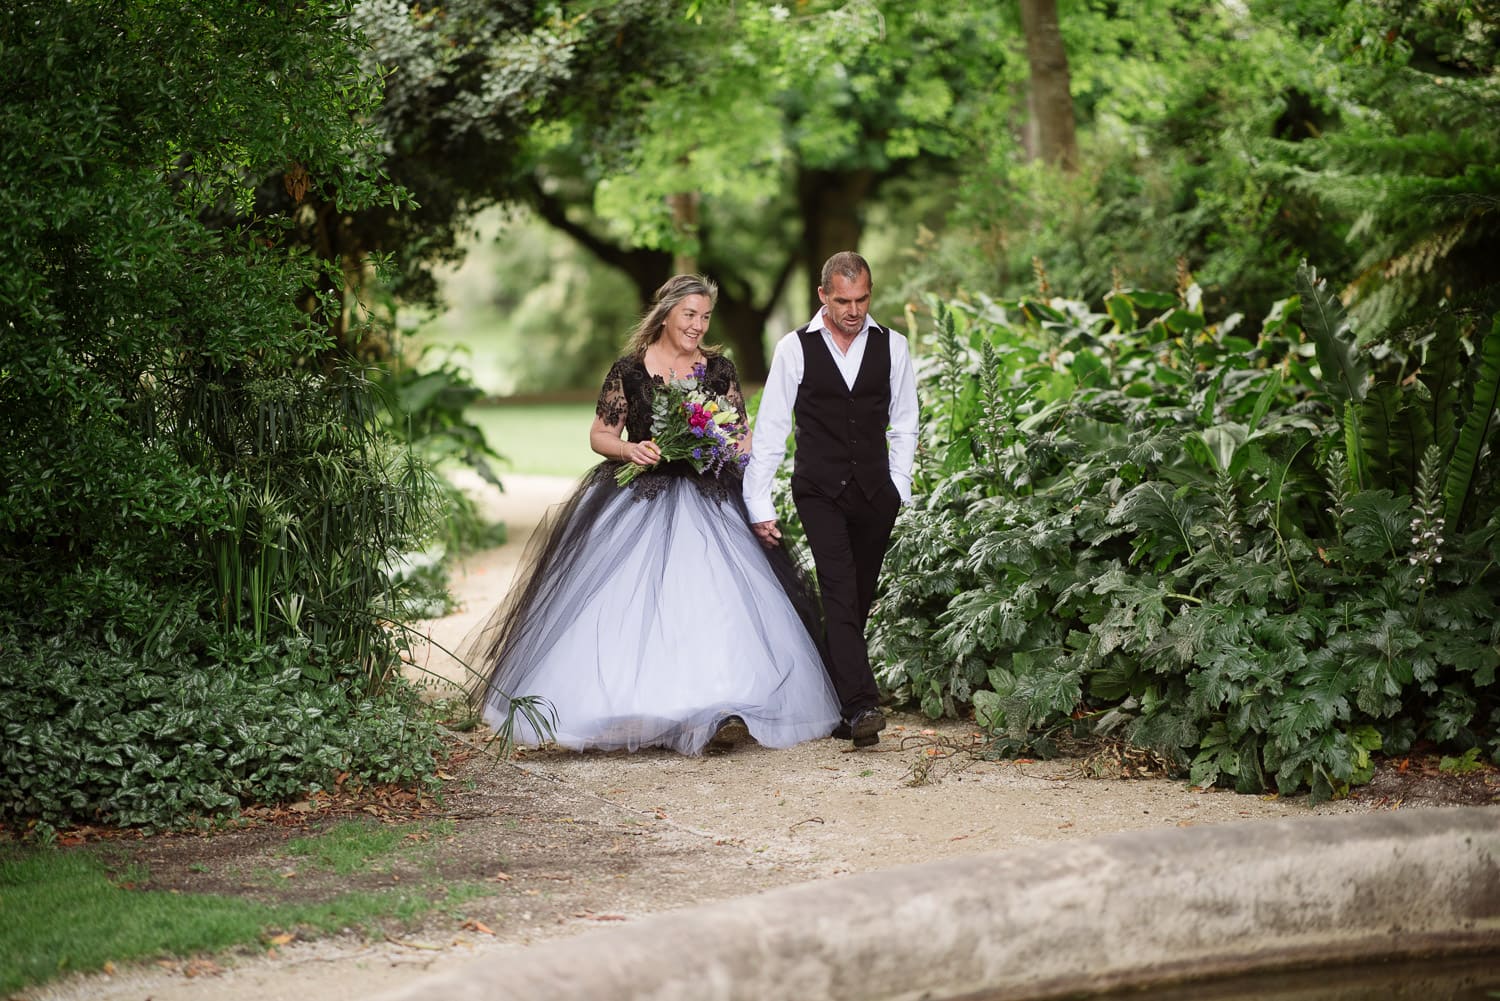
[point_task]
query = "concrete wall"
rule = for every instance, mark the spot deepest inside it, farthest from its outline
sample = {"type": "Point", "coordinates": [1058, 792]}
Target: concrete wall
{"type": "Point", "coordinates": [1124, 909]}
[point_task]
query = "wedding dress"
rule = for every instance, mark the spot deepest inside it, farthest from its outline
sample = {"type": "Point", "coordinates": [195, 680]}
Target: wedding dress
{"type": "Point", "coordinates": [645, 615]}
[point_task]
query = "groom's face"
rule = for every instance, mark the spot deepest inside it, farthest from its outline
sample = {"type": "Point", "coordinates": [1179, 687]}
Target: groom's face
{"type": "Point", "coordinates": [845, 303]}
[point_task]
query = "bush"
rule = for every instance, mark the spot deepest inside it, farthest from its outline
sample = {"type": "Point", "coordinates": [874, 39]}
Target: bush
{"type": "Point", "coordinates": [96, 732]}
{"type": "Point", "coordinates": [202, 512]}
{"type": "Point", "coordinates": [1265, 555]}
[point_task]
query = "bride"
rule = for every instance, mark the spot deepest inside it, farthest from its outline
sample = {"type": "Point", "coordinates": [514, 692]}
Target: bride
{"type": "Point", "coordinates": [649, 614]}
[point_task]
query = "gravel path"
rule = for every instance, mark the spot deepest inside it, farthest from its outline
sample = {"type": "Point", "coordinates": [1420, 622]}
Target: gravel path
{"type": "Point", "coordinates": [585, 839]}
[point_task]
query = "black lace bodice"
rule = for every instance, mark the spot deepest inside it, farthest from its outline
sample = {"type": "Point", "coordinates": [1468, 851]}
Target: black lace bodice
{"type": "Point", "coordinates": [626, 398]}
{"type": "Point", "coordinates": [628, 389]}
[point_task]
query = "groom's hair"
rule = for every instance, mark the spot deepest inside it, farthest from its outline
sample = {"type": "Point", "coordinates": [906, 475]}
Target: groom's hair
{"type": "Point", "coordinates": [846, 263]}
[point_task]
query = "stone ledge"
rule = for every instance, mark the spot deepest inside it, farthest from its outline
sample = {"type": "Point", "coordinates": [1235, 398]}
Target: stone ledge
{"type": "Point", "coordinates": [1141, 907]}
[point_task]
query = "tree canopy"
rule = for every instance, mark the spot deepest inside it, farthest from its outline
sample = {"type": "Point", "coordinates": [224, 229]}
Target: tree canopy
{"type": "Point", "coordinates": [752, 139]}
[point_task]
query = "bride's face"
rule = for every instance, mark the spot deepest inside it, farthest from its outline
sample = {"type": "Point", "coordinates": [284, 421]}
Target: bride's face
{"type": "Point", "coordinates": [687, 324]}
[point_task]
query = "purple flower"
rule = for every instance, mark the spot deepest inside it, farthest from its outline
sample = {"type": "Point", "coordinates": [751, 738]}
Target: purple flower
{"type": "Point", "coordinates": [697, 453]}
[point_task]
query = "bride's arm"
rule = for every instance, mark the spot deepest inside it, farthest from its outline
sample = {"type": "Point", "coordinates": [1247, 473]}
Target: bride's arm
{"type": "Point", "coordinates": [605, 439]}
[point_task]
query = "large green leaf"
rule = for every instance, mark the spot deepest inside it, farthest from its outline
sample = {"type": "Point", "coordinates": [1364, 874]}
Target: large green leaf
{"type": "Point", "coordinates": [1443, 374]}
{"type": "Point", "coordinates": [1469, 449]}
{"type": "Point", "coordinates": [1345, 372]}
{"type": "Point", "coordinates": [1394, 430]}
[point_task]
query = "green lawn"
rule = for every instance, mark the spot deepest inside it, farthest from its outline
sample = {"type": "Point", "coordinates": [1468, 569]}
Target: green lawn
{"type": "Point", "coordinates": [65, 912]}
{"type": "Point", "coordinates": [542, 439]}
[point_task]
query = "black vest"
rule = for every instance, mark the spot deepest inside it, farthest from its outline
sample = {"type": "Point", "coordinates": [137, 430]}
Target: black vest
{"type": "Point", "coordinates": [840, 432]}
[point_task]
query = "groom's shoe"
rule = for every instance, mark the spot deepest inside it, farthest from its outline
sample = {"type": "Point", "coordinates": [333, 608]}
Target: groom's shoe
{"type": "Point", "coordinates": [864, 729]}
{"type": "Point", "coordinates": [730, 732]}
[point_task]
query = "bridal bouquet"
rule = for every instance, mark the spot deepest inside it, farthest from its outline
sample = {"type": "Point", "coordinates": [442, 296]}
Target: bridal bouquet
{"type": "Point", "coordinates": [688, 423]}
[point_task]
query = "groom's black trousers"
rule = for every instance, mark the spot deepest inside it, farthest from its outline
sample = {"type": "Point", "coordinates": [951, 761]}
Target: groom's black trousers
{"type": "Point", "coordinates": [848, 535]}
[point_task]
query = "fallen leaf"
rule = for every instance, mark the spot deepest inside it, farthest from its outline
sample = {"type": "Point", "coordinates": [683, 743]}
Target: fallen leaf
{"type": "Point", "coordinates": [501, 877]}
{"type": "Point", "coordinates": [1064, 826]}
{"type": "Point", "coordinates": [478, 926]}
{"type": "Point", "coordinates": [281, 939]}
{"type": "Point", "coordinates": [202, 968]}
{"type": "Point", "coordinates": [109, 967]}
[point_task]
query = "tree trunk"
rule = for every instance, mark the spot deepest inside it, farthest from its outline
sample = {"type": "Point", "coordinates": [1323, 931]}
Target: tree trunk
{"type": "Point", "coordinates": [741, 325]}
{"type": "Point", "coordinates": [684, 206]}
{"type": "Point", "coordinates": [1051, 97]}
{"type": "Point", "coordinates": [830, 203]}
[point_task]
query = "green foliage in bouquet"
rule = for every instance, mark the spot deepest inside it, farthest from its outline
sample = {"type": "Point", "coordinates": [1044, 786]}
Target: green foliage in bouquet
{"type": "Point", "coordinates": [1265, 553]}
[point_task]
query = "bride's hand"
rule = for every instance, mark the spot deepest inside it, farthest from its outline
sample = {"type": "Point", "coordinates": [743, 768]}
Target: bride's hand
{"type": "Point", "coordinates": [643, 453]}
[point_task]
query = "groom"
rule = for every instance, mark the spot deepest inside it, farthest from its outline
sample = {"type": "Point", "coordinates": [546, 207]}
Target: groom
{"type": "Point", "coordinates": [845, 384]}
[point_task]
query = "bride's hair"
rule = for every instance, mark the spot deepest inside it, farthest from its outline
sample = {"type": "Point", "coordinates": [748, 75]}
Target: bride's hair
{"type": "Point", "coordinates": [676, 289]}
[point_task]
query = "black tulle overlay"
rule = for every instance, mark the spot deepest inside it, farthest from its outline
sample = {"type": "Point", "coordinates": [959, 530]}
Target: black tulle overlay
{"type": "Point", "coordinates": [646, 614]}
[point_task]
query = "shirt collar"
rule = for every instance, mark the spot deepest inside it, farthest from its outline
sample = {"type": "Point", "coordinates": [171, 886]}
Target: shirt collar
{"type": "Point", "coordinates": [816, 323]}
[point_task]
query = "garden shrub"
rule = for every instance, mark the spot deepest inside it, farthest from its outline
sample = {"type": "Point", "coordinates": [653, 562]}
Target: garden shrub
{"type": "Point", "coordinates": [1265, 553]}
{"type": "Point", "coordinates": [202, 509]}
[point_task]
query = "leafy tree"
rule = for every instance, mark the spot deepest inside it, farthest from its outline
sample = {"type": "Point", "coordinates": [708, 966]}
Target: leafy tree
{"type": "Point", "coordinates": [771, 148]}
{"type": "Point", "coordinates": [1410, 160]}
{"type": "Point", "coordinates": [201, 515]}
{"type": "Point", "coordinates": [1234, 140]}
{"type": "Point", "coordinates": [469, 84]}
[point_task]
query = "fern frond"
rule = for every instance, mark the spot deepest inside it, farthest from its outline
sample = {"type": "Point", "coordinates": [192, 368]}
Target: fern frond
{"type": "Point", "coordinates": [1343, 369]}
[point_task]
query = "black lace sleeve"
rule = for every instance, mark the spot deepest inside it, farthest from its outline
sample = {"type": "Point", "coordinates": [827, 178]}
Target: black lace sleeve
{"type": "Point", "coordinates": [721, 379]}
{"type": "Point", "coordinates": [612, 404]}
{"type": "Point", "coordinates": [732, 391]}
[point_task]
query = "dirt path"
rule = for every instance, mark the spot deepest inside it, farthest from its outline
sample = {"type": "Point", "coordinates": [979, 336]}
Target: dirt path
{"type": "Point", "coordinates": [573, 841]}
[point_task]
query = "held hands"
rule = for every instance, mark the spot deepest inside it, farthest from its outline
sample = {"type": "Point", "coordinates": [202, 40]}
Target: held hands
{"type": "Point", "coordinates": [767, 532]}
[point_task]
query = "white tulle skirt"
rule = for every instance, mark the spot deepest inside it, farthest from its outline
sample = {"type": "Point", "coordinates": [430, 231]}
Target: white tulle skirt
{"type": "Point", "coordinates": [646, 615]}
